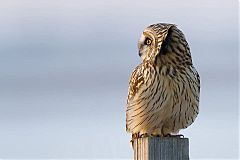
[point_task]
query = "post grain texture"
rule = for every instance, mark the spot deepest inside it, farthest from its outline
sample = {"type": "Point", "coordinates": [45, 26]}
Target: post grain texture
{"type": "Point", "coordinates": [157, 148]}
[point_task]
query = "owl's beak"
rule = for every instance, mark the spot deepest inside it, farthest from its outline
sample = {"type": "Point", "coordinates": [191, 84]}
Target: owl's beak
{"type": "Point", "coordinates": [139, 53]}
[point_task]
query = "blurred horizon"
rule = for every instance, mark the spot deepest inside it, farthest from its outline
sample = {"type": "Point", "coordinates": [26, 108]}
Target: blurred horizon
{"type": "Point", "coordinates": [65, 67]}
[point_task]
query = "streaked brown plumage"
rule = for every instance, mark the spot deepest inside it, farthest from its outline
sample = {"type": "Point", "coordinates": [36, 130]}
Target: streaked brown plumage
{"type": "Point", "coordinates": [163, 95]}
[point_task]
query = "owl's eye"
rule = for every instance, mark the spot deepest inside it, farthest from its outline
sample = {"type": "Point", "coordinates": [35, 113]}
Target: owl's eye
{"type": "Point", "coordinates": [148, 41]}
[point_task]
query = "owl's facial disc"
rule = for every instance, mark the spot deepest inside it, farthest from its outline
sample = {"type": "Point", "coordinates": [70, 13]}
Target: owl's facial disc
{"type": "Point", "coordinates": [144, 44]}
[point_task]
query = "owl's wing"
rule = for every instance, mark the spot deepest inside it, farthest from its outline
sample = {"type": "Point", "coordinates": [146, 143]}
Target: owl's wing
{"type": "Point", "coordinates": [143, 100]}
{"type": "Point", "coordinates": [136, 81]}
{"type": "Point", "coordinates": [148, 93]}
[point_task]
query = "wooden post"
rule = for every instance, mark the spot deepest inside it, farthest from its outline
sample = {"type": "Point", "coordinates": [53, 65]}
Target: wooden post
{"type": "Point", "coordinates": [156, 148]}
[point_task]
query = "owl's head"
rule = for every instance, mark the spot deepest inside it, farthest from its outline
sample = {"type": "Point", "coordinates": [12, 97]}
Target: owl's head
{"type": "Point", "coordinates": [165, 44]}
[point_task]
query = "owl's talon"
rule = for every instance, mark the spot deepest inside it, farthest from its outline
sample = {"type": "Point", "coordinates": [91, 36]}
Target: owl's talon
{"type": "Point", "coordinates": [179, 135]}
{"type": "Point", "coordinates": [144, 135]}
{"type": "Point", "coordinates": [132, 142]}
{"type": "Point", "coordinates": [135, 136]}
{"type": "Point", "coordinates": [156, 135]}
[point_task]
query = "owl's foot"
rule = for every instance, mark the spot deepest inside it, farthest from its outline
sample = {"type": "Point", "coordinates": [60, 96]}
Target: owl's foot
{"type": "Point", "coordinates": [179, 135]}
{"type": "Point", "coordinates": [156, 135]}
{"type": "Point", "coordinates": [135, 136]}
{"type": "Point", "coordinates": [138, 135]}
{"type": "Point", "coordinates": [144, 135]}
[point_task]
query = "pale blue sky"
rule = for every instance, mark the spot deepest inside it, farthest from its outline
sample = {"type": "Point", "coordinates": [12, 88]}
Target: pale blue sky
{"type": "Point", "coordinates": [65, 67]}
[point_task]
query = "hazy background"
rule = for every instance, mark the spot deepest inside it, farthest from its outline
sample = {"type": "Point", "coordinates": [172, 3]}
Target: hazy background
{"type": "Point", "coordinates": [65, 66]}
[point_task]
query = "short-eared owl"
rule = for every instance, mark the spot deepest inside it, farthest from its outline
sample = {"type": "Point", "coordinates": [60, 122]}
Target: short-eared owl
{"type": "Point", "coordinates": [163, 94]}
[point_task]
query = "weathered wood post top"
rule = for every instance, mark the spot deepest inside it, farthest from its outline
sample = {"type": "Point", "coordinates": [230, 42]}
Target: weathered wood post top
{"type": "Point", "coordinates": [161, 148]}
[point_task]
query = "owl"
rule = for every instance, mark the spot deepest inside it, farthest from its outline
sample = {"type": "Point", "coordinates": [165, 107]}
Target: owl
{"type": "Point", "coordinates": [163, 93]}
